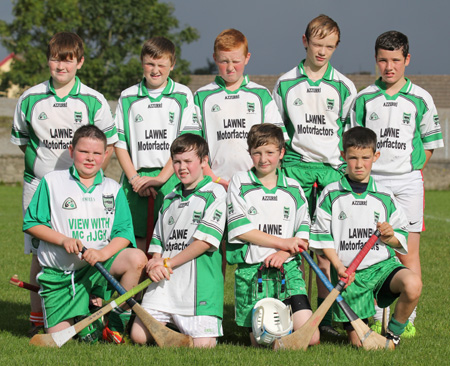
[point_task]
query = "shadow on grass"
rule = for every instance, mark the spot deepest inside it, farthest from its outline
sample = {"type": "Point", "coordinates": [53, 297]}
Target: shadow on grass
{"type": "Point", "coordinates": [232, 333]}
{"type": "Point", "coordinates": [15, 320]}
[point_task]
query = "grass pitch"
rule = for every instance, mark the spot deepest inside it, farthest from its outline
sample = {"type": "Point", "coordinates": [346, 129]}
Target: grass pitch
{"type": "Point", "coordinates": [430, 346]}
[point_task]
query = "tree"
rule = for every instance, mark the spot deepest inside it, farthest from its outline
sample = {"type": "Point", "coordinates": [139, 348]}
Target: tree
{"type": "Point", "coordinates": [209, 69]}
{"type": "Point", "coordinates": [113, 32]}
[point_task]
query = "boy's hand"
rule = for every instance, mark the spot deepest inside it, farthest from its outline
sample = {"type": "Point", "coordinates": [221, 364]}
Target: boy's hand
{"type": "Point", "coordinates": [342, 274]}
{"type": "Point", "coordinates": [93, 256]}
{"type": "Point", "coordinates": [159, 273]}
{"type": "Point", "coordinates": [142, 183]}
{"type": "Point", "coordinates": [72, 246]}
{"type": "Point", "coordinates": [276, 259]}
{"type": "Point", "coordinates": [387, 232]}
{"type": "Point", "coordinates": [292, 245]}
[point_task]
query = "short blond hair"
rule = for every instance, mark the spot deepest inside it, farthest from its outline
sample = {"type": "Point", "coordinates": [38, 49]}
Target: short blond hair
{"type": "Point", "coordinates": [230, 39]}
{"type": "Point", "coordinates": [321, 27]}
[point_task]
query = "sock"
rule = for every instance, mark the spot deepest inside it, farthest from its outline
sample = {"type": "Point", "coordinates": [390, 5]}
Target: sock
{"type": "Point", "coordinates": [413, 315]}
{"type": "Point", "coordinates": [328, 318]}
{"type": "Point", "coordinates": [396, 327]}
{"type": "Point", "coordinates": [118, 319]}
{"type": "Point", "coordinates": [378, 317]}
{"type": "Point", "coordinates": [37, 318]}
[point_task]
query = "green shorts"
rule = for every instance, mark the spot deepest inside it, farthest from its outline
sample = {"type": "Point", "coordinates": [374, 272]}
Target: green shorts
{"type": "Point", "coordinates": [361, 293]}
{"type": "Point", "coordinates": [139, 205]}
{"type": "Point", "coordinates": [65, 294]}
{"type": "Point", "coordinates": [247, 292]}
{"type": "Point", "coordinates": [308, 173]}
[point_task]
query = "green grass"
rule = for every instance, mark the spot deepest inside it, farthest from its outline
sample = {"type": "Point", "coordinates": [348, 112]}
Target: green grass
{"type": "Point", "coordinates": [430, 346]}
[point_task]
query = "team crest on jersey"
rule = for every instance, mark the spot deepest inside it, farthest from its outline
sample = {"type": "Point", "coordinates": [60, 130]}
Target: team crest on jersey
{"type": "Point", "coordinates": [406, 118]}
{"type": "Point", "coordinates": [250, 107]}
{"type": "Point", "coordinates": [138, 118]}
{"type": "Point", "coordinates": [436, 119]}
{"type": "Point", "coordinates": [230, 209]}
{"type": "Point", "coordinates": [69, 204]}
{"type": "Point", "coordinates": [196, 217]}
{"type": "Point", "coordinates": [286, 211]}
{"type": "Point", "coordinates": [215, 108]}
{"type": "Point", "coordinates": [217, 215]}
{"type": "Point", "coordinates": [35, 243]}
{"type": "Point", "coordinates": [171, 220]}
{"type": "Point", "coordinates": [252, 211]}
{"type": "Point", "coordinates": [171, 118]}
{"type": "Point", "coordinates": [108, 203]}
{"type": "Point", "coordinates": [330, 104]}
{"type": "Point", "coordinates": [298, 102]}
{"type": "Point", "coordinates": [42, 116]}
{"type": "Point", "coordinates": [342, 216]}
{"type": "Point", "coordinates": [374, 117]}
{"type": "Point", "coordinates": [376, 217]}
{"type": "Point", "coordinates": [78, 117]}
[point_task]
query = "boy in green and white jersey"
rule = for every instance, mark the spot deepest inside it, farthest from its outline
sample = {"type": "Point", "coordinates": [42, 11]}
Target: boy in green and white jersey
{"type": "Point", "coordinates": [149, 116]}
{"type": "Point", "coordinates": [268, 221]}
{"type": "Point", "coordinates": [229, 107]}
{"type": "Point", "coordinates": [406, 122]}
{"type": "Point", "coordinates": [314, 100]}
{"type": "Point", "coordinates": [46, 117]}
{"type": "Point", "coordinates": [76, 208]}
{"type": "Point", "coordinates": [185, 249]}
{"type": "Point", "coordinates": [348, 212]}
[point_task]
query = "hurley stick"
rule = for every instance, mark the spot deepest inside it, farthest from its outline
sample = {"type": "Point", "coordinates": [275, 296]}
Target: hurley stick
{"type": "Point", "coordinates": [313, 210]}
{"type": "Point", "coordinates": [301, 338]}
{"type": "Point", "coordinates": [57, 339]}
{"type": "Point", "coordinates": [14, 280]}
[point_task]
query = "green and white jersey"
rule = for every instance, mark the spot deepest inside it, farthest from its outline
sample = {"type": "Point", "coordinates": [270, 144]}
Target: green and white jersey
{"type": "Point", "coordinates": [46, 124]}
{"type": "Point", "coordinates": [147, 126]}
{"type": "Point", "coordinates": [281, 211]}
{"type": "Point", "coordinates": [95, 215]}
{"type": "Point", "coordinates": [314, 113]}
{"type": "Point", "coordinates": [196, 287]}
{"type": "Point", "coordinates": [344, 221]}
{"type": "Point", "coordinates": [406, 124]}
{"type": "Point", "coordinates": [224, 119]}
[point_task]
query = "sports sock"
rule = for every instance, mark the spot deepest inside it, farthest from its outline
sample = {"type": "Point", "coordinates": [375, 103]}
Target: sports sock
{"type": "Point", "coordinates": [37, 318]}
{"type": "Point", "coordinates": [396, 327]}
{"type": "Point", "coordinates": [118, 319]}
{"type": "Point", "coordinates": [413, 315]}
{"type": "Point", "coordinates": [378, 317]}
{"type": "Point", "coordinates": [328, 318]}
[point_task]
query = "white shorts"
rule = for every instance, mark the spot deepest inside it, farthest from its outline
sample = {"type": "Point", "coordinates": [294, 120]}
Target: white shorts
{"type": "Point", "coordinates": [196, 326]}
{"type": "Point", "coordinates": [408, 190]}
{"type": "Point", "coordinates": [31, 244]}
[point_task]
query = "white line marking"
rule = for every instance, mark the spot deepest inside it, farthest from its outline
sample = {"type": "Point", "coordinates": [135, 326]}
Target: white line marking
{"type": "Point", "coordinates": [437, 218]}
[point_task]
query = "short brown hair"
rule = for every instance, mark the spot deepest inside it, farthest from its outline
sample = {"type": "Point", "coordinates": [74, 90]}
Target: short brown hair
{"type": "Point", "coordinates": [188, 142]}
{"type": "Point", "coordinates": [89, 131]}
{"type": "Point", "coordinates": [359, 138]}
{"type": "Point", "coordinates": [264, 134]}
{"type": "Point", "coordinates": [230, 39]}
{"type": "Point", "coordinates": [321, 27]}
{"type": "Point", "coordinates": [158, 47]}
{"type": "Point", "coordinates": [65, 46]}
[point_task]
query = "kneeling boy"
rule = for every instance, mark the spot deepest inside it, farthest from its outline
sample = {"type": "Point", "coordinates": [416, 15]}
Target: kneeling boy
{"type": "Point", "coordinates": [185, 251]}
{"type": "Point", "coordinates": [78, 208]}
{"type": "Point", "coordinates": [348, 212]}
{"type": "Point", "coordinates": [268, 221]}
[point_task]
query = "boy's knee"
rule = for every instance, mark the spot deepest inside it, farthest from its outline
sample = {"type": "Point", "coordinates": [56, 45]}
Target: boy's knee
{"type": "Point", "coordinates": [412, 286]}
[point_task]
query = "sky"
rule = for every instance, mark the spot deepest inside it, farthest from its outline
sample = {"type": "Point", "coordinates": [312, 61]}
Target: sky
{"type": "Point", "coordinates": [274, 30]}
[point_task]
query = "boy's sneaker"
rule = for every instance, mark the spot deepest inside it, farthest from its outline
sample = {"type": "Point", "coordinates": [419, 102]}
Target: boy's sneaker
{"type": "Point", "coordinates": [35, 329]}
{"type": "Point", "coordinates": [410, 331]}
{"type": "Point", "coordinates": [112, 336]}
{"type": "Point", "coordinates": [327, 331]}
{"type": "Point", "coordinates": [394, 338]}
{"type": "Point", "coordinates": [376, 327]}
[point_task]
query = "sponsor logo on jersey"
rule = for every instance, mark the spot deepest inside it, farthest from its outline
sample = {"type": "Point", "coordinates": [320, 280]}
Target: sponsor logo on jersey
{"type": "Point", "coordinates": [236, 96]}
{"type": "Point", "coordinates": [171, 118]}
{"type": "Point", "coordinates": [436, 119]}
{"type": "Point", "coordinates": [342, 216]}
{"type": "Point", "coordinates": [138, 118]}
{"type": "Point", "coordinates": [359, 203]}
{"type": "Point", "coordinates": [250, 107]}
{"type": "Point", "coordinates": [215, 108]}
{"type": "Point", "coordinates": [183, 204]}
{"type": "Point", "coordinates": [230, 209]}
{"type": "Point", "coordinates": [313, 90]}
{"type": "Point", "coordinates": [376, 217]}
{"type": "Point", "coordinates": [330, 104]}
{"type": "Point", "coordinates": [42, 116]}
{"type": "Point", "coordinates": [270, 198]}
{"type": "Point", "coordinates": [171, 220]}
{"type": "Point", "coordinates": [217, 215]}
{"type": "Point", "coordinates": [69, 204]}
{"type": "Point", "coordinates": [60, 105]}
{"type": "Point", "coordinates": [390, 104]}
{"type": "Point", "coordinates": [108, 203]}
{"type": "Point", "coordinates": [78, 117]}
{"type": "Point", "coordinates": [298, 102]}
{"type": "Point", "coordinates": [196, 217]}
{"type": "Point", "coordinates": [252, 211]}
{"type": "Point", "coordinates": [406, 118]}
{"type": "Point", "coordinates": [155, 105]}
{"type": "Point", "coordinates": [374, 117]}
{"type": "Point", "coordinates": [286, 213]}
{"type": "Point", "coordinates": [195, 118]}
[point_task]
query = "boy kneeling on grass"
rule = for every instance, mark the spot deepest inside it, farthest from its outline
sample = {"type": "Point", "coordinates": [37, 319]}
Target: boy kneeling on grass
{"type": "Point", "coordinates": [77, 208]}
{"type": "Point", "coordinates": [187, 288]}
{"type": "Point", "coordinates": [347, 214]}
